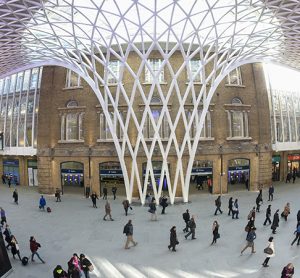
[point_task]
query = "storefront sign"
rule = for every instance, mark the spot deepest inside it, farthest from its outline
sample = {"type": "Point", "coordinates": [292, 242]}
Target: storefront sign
{"type": "Point", "coordinates": [294, 157]}
{"type": "Point", "coordinates": [116, 172]}
{"type": "Point", "coordinates": [238, 168]}
{"type": "Point", "coordinates": [275, 159]}
{"type": "Point", "coordinates": [156, 172]}
{"type": "Point", "coordinates": [11, 163]}
{"type": "Point", "coordinates": [71, 171]}
{"type": "Point", "coordinates": [202, 170]}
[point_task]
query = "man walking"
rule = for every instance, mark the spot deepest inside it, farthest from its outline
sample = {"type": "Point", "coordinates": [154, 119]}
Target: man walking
{"type": "Point", "coordinates": [268, 215]}
{"type": "Point", "coordinates": [257, 201]}
{"type": "Point", "coordinates": [105, 193]}
{"type": "Point", "coordinates": [164, 204]}
{"type": "Point", "coordinates": [94, 198]}
{"type": "Point", "coordinates": [186, 218]}
{"type": "Point", "coordinates": [218, 205]}
{"type": "Point", "coordinates": [297, 232]}
{"type": "Point", "coordinates": [271, 192]}
{"type": "Point", "coordinates": [275, 222]}
{"type": "Point", "coordinates": [114, 192]}
{"type": "Point", "coordinates": [107, 211]}
{"type": "Point", "coordinates": [251, 236]}
{"type": "Point", "coordinates": [192, 226]}
{"type": "Point", "coordinates": [128, 230]}
{"type": "Point", "coordinates": [34, 246]}
{"type": "Point", "coordinates": [126, 206]}
{"type": "Point", "coordinates": [16, 197]}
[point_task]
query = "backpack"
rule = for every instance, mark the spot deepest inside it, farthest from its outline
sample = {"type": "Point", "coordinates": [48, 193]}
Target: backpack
{"type": "Point", "coordinates": [125, 230]}
{"type": "Point", "coordinates": [24, 261]}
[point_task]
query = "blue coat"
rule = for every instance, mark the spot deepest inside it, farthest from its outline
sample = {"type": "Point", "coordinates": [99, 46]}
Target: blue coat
{"type": "Point", "coordinates": [42, 202]}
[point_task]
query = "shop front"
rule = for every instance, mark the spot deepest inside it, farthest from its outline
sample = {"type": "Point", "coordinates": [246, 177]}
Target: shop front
{"type": "Point", "coordinates": [293, 163]}
{"type": "Point", "coordinates": [276, 168]}
{"type": "Point", "coordinates": [202, 176]}
{"type": "Point", "coordinates": [111, 175]}
{"type": "Point", "coordinates": [11, 171]}
{"type": "Point", "coordinates": [238, 174]}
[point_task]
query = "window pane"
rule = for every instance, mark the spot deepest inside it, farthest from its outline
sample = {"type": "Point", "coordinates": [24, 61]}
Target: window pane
{"type": "Point", "coordinates": [34, 78]}
{"type": "Point", "coordinates": [72, 127]}
{"type": "Point", "coordinates": [234, 77]}
{"type": "Point", "coordinates": [194, 68]}
{"type": "Point", "coordinates": [72, 80]}
{"type": "Point", "coordinates": [154, 65]}
{"type": "Point", "coordinates": [113, 72]}
{"type": "Point", "coordinates": [237, 124]}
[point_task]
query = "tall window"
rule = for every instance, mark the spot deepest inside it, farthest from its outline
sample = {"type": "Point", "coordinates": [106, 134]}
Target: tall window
{"type": "Point", "coordinates": [72, 79]}
{"type": "Point", "coordinates": [149, 128]}
{"type": "Point", "coordinates": [113, 72]}
{"type": "Point", "coordinates": [105, 132]}
{"type": "Point", "coordinates": [72, 123]}
{"type": "Point", "coordinates": [194, 74]}
{"type": "Point", "coordinates": [154, 70]}
{"type": "Point", "coordinates": [234, 78]}
{"type": "Point", "coordinates": [206, 130]}
{"type": "Point", "coordinates": [238, 120]}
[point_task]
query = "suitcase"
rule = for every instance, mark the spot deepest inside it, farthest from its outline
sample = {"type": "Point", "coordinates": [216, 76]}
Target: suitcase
{"type": "Point", "coordinates": [24, 261]}
{"type": "Point", "coordinates": [48, 209]}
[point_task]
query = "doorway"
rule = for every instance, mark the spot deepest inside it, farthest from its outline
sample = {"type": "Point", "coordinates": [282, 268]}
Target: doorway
{"type": "Point", "coordinates": [72, 178]}
{"type": "Point", "coordinates": [238, 174]}
{"type": "Point", "coordinates": [201, 177]}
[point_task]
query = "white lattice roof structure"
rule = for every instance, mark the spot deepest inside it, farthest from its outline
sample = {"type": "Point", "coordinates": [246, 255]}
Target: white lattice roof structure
{"type": "Point", "coordinates": [83, 34]}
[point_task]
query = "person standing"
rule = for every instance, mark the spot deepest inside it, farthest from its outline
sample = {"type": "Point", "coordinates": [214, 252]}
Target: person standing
{"type": "Point", "coordinates": [268, 215]}
{"type": "Point", "coordinates": [86, 265]}
{"type": "Point", "coordinates": [15, 250]}
{"type": "Point", "coordinates": [270, 254]}
{"type": "Point", "coordinates": [251, 236]}
{"type": "Point", "coordinates": [42, 203]}
{"type": "Point", "coordinates": [218, 204]}
{"type": "Point", "coordinates": [173, 239]}
{"type": "Point", "coordinates": [235, 209]}
{"type": "Point", "coordinates": [286, 211]}
{"type": "Point", "coordinates": [128, 231]}
{"type": "Point", "coordinates": [15, 196]}
{"type": "Point", "coordinates": [74, 268]}
{"type": "Point", "coordinates": [209, 184]}
{"type": "Point", "coordinates": [230, 204]}
{"type": "Point", "coordinates": [34, 246]}
{"type": "Point", "coordinates": [126, 206]}
{"type": "Point", "coordinates": [294, 177]}
{"type": "Point", "coordinates": [104, 193]}
{"type": "Point", "coordinates": [257, 201]}
{"type": "Point", "coordinates": [275, 223]}
{"type": "Point", "coordinates": [164, 204]}
{"type": "Point", "coordinates": [288, 271]}
{"type": "Point", "coordinates": [3, 179]}
{"type": "Point", "coordinates": [215, 231]}
{"type": "Point", "coordinates": [271, 192]}
{"type": "Point", "coordinates": [114, 192]}
{"type": "Point", "coordinates": [57, 195]}
{"type": "Point", "coordinates": [94, 198]}
{"type": "Point", "coordinates": [250, 225]}
{"type": "Point", "coordinates": [3, 216]}
{"type": "Point", "coordinates": [152, 210]}
{"type": "Point", "coordinates": [186, 218]}
{"type": "Point", "coordinates": [297, 233]}
{"type": "Point", "coordinates": [192, 226]}
{"type": "Point", "coordinates": [9, 181]}
{"type": "Point", "coordinates": [107, 211]}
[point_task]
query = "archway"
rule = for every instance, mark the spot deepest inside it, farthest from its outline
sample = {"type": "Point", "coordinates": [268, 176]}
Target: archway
{"type": "Point", "coordinates": [238, 175]}
{"type": "Point", "coordinates": [72, 177]}
{"type": "Point", "coordinates": [111, 175]}
{"type": "Point", "coordinates": [201, 177]}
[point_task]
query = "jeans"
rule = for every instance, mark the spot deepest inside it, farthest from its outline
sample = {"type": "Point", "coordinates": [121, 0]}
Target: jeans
{"type": "Point", "coordinates": [267, 220]}
{"type": "Point", "coordinates": [297, 237]}
{"type": "Point", "coordinates": [191, 232]}
{"type": "Point", "coordinates": [86, 273]}
{"type": "Point", "coordinates": [36, 253]}
{"type": "Point", "coordinates": [270, 196]}
{"type": "Point", "coordinates": [218, 209]}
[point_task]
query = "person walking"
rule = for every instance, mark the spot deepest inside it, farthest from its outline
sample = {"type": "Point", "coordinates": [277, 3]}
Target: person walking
{"type": "Point", "coordinates": [34, 246]}
{"type": "Point", "coordinates": [288, 178]}
{"type": "Point", "coordinates": [42, 203]}
{"type": "Point", "coordinates": [215, 231]}
{"type": "Point", "coordinates": [164, 204]}
{"type": "Point", "coordinates": [9, 181]}
{"type": "Point", "coordinates": [271, 192]}
{"type": "Point", "coordinates": [107, 211]}
{"type": "Point", "coordinates": [251, 236]}
{"type": "Point", "coordinates": [86, 265]}
{"type": "Point", "coordinates": [192, 226]}
{"type": "Point", "coordinates": [186, 218]}
{"type": "Point", "coordinates": [114, 192]}
{"type": "Point", "coordinates": [126, 206]}
{"type": "Point", "coordinates": [298, 216]}
{"type": "Point", "coordinates": [57, 195]}
{"type": "Point", "coordinates": [15, 196]}
{"type": "Point", "coordinates": [3, 216]}
{"type": "Point", "coordinates": [294, 177]}
{"type": "Point", "coordinates": [235, 210]}
{"type": "Point", "coordinates": [288, 271]}
{"type": "Point", "coordinates": [3, 179]}
{"type": "Point", "coordinates": [58, 272]}
{"type": "Point", "coordinates": [15, 250]}
{"type": "Point", "coordinates": [268, 215]}
{"type": "Point", "coordinates": [297, 233]}
{"type": "Point", "coordinates": [258, 201]}
{"type": "Point", "coordinates": [218, 204]}
{"type": "Point", "coordinates": [230, 205]}
{"type": "Point", "coordinates": [74, 267]}
{"type": "Point", "coordinates": [286, 211]}
{"type": "Point", "coordinates": [94, 198]}
{"type": "Point", "coordinates": [173, 239]}
{"type": "Point", "coordinates": [250, 225]}
{"type": "Point", "coordinates": [275, 223]}
{"type": "Point", "coordinates": [128, 231]}
{"type": "Point", "coordinates": [269, 251]}
{"type": "Point", "coordinates": [252, 214]}
{"type": "Point", "coordinates": [104, 193]}
{"type": "Point", "coordinates": [152, 210]}
{"type": "Point", "coordinates": [7, 235]}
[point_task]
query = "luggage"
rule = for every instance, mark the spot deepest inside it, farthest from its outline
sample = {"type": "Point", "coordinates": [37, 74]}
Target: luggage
{"type": "Point", "coordinates": [48, 209]}
{"type": "Point", "coordinates": [24, 261]}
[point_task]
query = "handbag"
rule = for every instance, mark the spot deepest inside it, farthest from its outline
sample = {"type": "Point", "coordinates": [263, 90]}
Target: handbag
{"type": "Point", "coordinates": [218, 235]}
{"type": "Point", "coordinates": [268, 251]}
{"type": "Point", "coordinates": [91, 267]}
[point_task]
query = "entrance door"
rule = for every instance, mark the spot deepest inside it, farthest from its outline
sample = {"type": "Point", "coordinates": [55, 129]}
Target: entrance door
{"type": "Point", "coordinates": [238, 174]}
{"type": "Point", "coordinates": [201, 177]}
{"type": "Point", "coordinates": [72, 177]}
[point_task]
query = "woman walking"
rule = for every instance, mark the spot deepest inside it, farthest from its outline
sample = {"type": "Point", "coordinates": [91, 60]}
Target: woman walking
{"type": "Point", "coordinates": [269, 251]}
{"type": "Point", "coordinates": [297, 233]}
{"type": "Point", "coordinates": [152, 210]}
{"type": "Point", "coordinates": [286, 211]}
{"type": "Point", "coordinates": [15, 248]}
{"type": "Point", "coordinates": [215, 231]}
{"type": "Point", "coordinates": [275, 223]}
{"type": "Point", "coordinates": [288, 271]}
{"type": "Point", "coordinates": [173, 239]}
{"type": "Point", "coordinates": [230, 204]}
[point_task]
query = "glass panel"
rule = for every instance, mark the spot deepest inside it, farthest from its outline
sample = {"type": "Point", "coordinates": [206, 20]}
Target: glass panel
{"type": "Point", "coordinates": [154, 65]}
{"type": "Point", "coordinates": [26, 80]}
{"type": "Point", "coordinates": [72, 127]}
{"type": "Point", "coordinates": [113, 72]}
{"type": "Point", "coordinates": [34, 78]}
{"type": "Point", "coordinates": [237, 124]}
{"type": "Point", "coordinates": [194, 68]}
{"type": "Point", "coordinates": [12, 83]}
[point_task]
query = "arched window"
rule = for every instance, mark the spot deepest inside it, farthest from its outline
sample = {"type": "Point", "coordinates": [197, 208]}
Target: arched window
{"type": "Point", "coordinates": [236, 100]}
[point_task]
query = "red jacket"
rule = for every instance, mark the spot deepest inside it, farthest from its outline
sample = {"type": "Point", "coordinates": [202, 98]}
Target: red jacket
{"type": "Point", "coordinates": [34, 246]}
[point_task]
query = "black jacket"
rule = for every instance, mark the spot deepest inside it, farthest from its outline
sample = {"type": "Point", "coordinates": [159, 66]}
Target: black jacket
{"type": "Point", "coordinates": [173, 237]}
{"type": "Point", "coordinates": [85, 263]}
{"type": "Point", "coordinates": [268, 212]}
{"type": "Point", "coordinates": [58, 272]}
{"type": "Point", "coordinates": [275, 222]}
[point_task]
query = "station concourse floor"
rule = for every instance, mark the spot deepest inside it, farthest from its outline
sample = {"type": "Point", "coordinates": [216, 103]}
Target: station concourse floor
{"type": "Point", "coordinates": [74, 226]}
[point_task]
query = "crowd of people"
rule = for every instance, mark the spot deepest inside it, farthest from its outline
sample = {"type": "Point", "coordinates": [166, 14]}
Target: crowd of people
{"type": "Point", "coordinates": [81, 265]}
